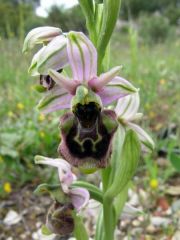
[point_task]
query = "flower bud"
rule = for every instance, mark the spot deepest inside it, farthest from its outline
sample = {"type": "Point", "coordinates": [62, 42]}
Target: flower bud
{"type": "Point", "coordinates": [40, 35]}
{"type": "Point", "coordinates": [60, 219]}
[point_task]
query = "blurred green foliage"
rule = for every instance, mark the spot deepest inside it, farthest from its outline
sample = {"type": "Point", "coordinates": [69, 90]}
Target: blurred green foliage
{"type": "Point", "coordinates": [133, 8]}
{"type": "Point", "coordinates": [67, 19]}
{"type": "Point", "coordinates": [154, 28]}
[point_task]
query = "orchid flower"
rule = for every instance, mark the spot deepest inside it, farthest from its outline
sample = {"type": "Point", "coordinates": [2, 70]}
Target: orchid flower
{"type": "Point", "coordinates": [79, 196]}
{"type": "Point", "coordinates": [53, 53]}
{"type": "Point", "coordinates": [127, 112]}
{"type": "Point", "coordinates": [88, 130]}
{"type": "Point", "coordinates": [82, 58]}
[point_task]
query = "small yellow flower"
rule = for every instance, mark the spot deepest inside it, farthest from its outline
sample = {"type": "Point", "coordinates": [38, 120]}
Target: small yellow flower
{"type": "Point", "coordinates": [1, 159]}
{"type": "Point", "coordinates": [152, 114]}
{"type": "Point", "coordinates": [7, 187]}
{"type": "Point", "coordinates": [10, 114]}
{"type": "Point", "coordinates": [32, 87]}
{"type": "Point", "coordinates": [41, 117]}
{"type": "Point", "coordinates": [42, 134]}
{"type": "Point", "coordinates": [154, 183]}
{"type": "Point", "coordinates": [162, 81]}
{"type": "Point", "coordinates": [158, 126]}
{"type": "Point", "coordinates": [20, 106]}
{"type": "Point", "coordinates": [147, 106]}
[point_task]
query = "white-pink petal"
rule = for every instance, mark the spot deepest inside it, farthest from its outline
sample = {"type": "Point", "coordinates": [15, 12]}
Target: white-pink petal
{"type": "Point", "coordinates": [66, 176]}
{"type": "Point", "coordinates": [53, 56]}
{"type": "Point", "coordinates": [98, 83]}
{"type": "Point", "coordinates": [128, 106]}
{"type": "Point", "coordinates": [82, 56]}
{"type": "Point", "coordinates": [66, 83]}
{"type": "Point", "coordinates": [39, 35]}
{"type": "Point", "coordinates": [55, 99]}
{"type": "Point", "coordinates": [80, 197]}
{"type": "Point", "coordinates": [110, 94]}
{"type": "Point", "coordinates": [124, 84]}
{"type": "Point", "coordinates": [143, 136]}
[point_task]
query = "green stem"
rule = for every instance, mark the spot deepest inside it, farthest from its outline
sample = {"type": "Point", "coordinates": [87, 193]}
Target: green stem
{"type": "Point", "coordinates": [105, 178]}
{"type": "Point", "coordinates": [108, 211]}
{"type": "Point", "coordinates": [80, 232]}
{"type": "Point", "coordinates": [99, 226]}
{"type": "Point", "coordinates": [109, 218]}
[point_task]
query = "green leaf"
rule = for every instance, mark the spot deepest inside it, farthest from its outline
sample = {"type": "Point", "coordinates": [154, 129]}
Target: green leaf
{"type": "Point", "coordinates": [45, 230]}
{"type": "Point", "coordinates": [39, 88]}
{"type": "Point", "coordinates": [99, 226]}
{"type": "Point", "coordinates": [88, 10]}
{"type": "Point", "coordinates": [80, 232]}
{"type": "Point", "coordinates": [120, 201]}
{"type": "Point", "coordinates": [116, 151]}
{"type": "Point", "coordinates": [94, 191]}
{"type": "Point", "coordinates": [126, 164]}
{"type": "Point", "coordinates": [55, 192]}
{"type": "Point", "coordinates": [110, 16]}
{"type": "Point", "coordinates": [175, 160]}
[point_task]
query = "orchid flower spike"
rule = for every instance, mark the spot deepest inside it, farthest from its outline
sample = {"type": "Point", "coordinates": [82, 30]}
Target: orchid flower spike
{"type": "Point", "coordinates": [53, 52]}
{"type": "Point", "coordinates": [79, 196]}
{"type": "Point", "coordinates": [127, 112]}
{"type": "Point", "coordinates": [88, 130]}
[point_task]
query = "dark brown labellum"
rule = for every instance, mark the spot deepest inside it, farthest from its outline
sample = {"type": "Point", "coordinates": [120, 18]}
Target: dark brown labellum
{"type": "Point", "coordinates": [87, 136]}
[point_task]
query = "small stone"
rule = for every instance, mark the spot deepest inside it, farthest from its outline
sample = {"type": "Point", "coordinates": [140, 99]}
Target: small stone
{"type": "Point", "coordinates": [151, 229]}
{"type": "Point", "coordinates": [147, 237]}
{"type": "Point", "coordinates": [12, 218]}
{"type": "Point", "coordinates": [136, 231]}
{"type": "Point", "coordinates": [136, 223]}
{"type": "Point", "coordinates": [176, 206]}
{"type": "Point", "coordinates": [143, 195]}
{"type": "Point", "coordinates": [141, 218]}
{"type": "Point", "coordinates": [160, 221]}
{"type": "Point", "coordinates": [176, 236]}
{"type": "Point", "coordinates": [173, 190]}
{"type": "Point", "coordinates": [124, 224]}
{"type": "Point", "coordinates": [134, 199]}
{"type": "Point", "coordinates": [38, 224]}
{"type": "Point", "coordinates": [23, 236]}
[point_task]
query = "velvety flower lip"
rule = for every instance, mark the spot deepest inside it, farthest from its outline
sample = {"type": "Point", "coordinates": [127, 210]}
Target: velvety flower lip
{"type": "Point", "coordinates": [127, 112]}
{"type": "Point", "coordinates": [79, 196]}
{"type": "Point", "coordinates": [88, 147]}
{"type": "Point", "coordinates": [82, 58]}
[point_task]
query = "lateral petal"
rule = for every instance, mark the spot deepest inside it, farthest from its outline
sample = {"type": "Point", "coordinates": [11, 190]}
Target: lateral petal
{"type": "Point", "coordinates": [63, 81]}
{"type": "Point", "coordinates": [80, 197]}
{"type": "Point", "coordinates": [110, 94]}
{"type": "Point", "coordinates": [54, 99]}
{"type": "Point", "coordinates": [98, 83]}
